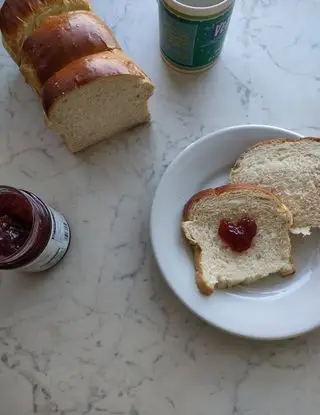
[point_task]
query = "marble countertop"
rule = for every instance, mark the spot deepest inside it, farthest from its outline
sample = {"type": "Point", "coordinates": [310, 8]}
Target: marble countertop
{"type": "Point", "coordinates": [102, 333]}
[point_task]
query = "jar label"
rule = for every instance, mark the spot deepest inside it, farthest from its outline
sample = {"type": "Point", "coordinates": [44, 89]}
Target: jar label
{"type": "Point", "coordinates": [192, 43]}
{"type": "Point", "coordinates": [56, 247]}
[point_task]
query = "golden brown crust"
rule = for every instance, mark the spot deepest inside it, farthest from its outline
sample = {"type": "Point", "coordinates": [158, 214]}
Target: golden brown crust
{"type": "Point", "coordinates": [227, 188]}
{"type": "Point", "coordinates": [86, 70]}
{"type": "Point", "coordinates": [194, 199]}
{"type": "Point", "coordinates": [214, 192]}
{"type": "Point", "coordinates": [202, 286]}
{"type": "Point", "coordinates": [16, 14]}
{"type": "Point", "coordinates": [284, 140]}
{"type": "Point", "coordinates": [62, 39]}
{"type": "Point", "coordinates": [271, 141]}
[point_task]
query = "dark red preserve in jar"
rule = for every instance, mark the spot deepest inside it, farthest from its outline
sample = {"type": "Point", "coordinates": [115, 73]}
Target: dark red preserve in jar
{"type": "Point", "coordinates": [33, 236]}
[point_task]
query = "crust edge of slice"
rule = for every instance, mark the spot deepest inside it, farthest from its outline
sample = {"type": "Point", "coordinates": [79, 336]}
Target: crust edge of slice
{"type": "Point", "coordinates": [294, 230]}
{"type": "Point", "coordinates": [203, 287]}
{"type": "Point", "coordinates": [268, 142]}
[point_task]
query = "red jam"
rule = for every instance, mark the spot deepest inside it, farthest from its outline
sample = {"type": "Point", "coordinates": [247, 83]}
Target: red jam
{"type": "Point", "coordinates": [33, 236]}
{"type": "Point", "coordinates": [14, 233]}
{"type": "Point", "coordinates": [238, 236]}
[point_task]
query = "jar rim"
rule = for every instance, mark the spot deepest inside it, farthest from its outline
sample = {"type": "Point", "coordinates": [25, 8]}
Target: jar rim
{"type": "Point", "coordinates": [199, 11]}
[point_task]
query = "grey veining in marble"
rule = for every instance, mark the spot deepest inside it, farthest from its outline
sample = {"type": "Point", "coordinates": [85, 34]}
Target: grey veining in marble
{"type": "Point", "coordinates": [102, 333]}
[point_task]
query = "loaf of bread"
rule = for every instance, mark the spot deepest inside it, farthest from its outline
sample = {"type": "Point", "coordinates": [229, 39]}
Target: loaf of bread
{"type": "Point", "coordinates": [269, 250]}
{"type": "Point", "coordinates": [60, 40]}
{"type": "Point", "coordinates": [89, 88]}
{"type": "Point", "coordinates": [96, 97]}
{"type": "Point", "coordinates": [19, 18]}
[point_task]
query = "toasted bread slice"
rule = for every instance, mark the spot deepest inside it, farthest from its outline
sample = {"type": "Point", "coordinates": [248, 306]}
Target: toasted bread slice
{"type": "Point", "coordinates": [289, 168]}
{"type": "Point", "coordinates": [216, 264]}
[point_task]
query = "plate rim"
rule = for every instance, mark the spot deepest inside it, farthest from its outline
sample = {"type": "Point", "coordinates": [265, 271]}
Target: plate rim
{"type": "Point", "coordinates": [152, 226]}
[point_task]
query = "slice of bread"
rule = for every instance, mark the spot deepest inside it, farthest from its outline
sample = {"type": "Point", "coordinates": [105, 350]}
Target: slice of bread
{"type": "Point", "coordinates": [290, 168]}
{"type": "Point", "coordinates": [60, 40]}
{"type": "Point", "coordinates": [216, 264]}
{"type": "Point", "coordinates": [19, 18]}
{"type": "Point", "coordinates": [95, 97]}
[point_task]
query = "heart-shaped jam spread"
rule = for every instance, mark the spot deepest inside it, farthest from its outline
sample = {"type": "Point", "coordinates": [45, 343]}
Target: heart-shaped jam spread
{"type": "Point", "coordinates": [238, 236]}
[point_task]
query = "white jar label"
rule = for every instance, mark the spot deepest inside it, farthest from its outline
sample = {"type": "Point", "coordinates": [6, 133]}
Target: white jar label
{"type": "Point", "coordinates": [57, 245]}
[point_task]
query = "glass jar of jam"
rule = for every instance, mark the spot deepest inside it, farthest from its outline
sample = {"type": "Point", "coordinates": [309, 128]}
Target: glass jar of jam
{"type": "Point", "coordinates": [33, 236]}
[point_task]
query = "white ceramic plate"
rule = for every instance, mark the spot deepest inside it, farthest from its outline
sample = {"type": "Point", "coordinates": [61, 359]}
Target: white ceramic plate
{"type": "Point", "coordinates": [270, 309]}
